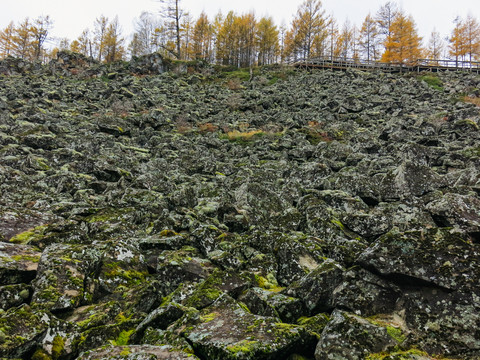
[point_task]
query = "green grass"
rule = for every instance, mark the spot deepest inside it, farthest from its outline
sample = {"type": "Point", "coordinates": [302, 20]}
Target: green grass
{"type": "Point", "coordinates": [433, 81]}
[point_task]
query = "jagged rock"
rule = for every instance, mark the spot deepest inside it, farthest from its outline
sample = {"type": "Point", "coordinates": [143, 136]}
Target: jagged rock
{"type": "Point", "coordinates": [267, 303]}
{"type": "Point", "coordinates": [316, 289]}
{"type": "Point", "coordinates": [230, 332]}
{"type": "Point", "coordinates": [63, 273]}
{"type": "Point", "coordinates": [18, 263]}
{"type": "Point", "coordinates": [349, 336]}
{"type": "Point", "coordinates": [458, 210]}
{"type": "Point", "coordinates": [139, 352]}
{"type": "Point", "coordinates": [22, 329]}
{"type": "Point", "coordinates": [297, 192]}
{"type": "Point", "coordinates": [435, 257]}
{"type": "Point", "coordinates": [365, 294]}
{"type": "Point", "coordinates": [14, 295]}
{"type": "Point", "coordinates": [444, 322]}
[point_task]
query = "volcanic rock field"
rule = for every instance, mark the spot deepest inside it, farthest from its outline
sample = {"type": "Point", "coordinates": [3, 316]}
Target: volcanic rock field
{"type": "Point", "coordinates": [168, 210]}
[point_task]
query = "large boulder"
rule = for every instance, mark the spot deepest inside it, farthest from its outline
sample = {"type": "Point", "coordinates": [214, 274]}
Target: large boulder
{"type": "Point", "coordinates": [226, 330]}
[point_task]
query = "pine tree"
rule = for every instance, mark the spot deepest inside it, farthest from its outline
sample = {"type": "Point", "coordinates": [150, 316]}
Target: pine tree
{"type": "Point", "coordinates": [186, 38]}
{"type": "Point", "coordinates": [345, 40]}
{"type": "Point", "coordinates": [403, 45]}
{"type": "Point", "coordinates": [333, 35]}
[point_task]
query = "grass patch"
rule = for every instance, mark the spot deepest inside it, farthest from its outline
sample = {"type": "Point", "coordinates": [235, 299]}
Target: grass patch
{"type": "Point", "coordinates": [472, 100]}
{"type": "Point", "coordinates": [433, 81]}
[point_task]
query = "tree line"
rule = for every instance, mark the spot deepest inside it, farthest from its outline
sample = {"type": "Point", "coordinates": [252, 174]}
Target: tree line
{"type": "Point", "coordinates": [389, 35]}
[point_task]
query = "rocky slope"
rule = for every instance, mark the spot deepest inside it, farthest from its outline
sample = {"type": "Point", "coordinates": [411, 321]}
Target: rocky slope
{"type": "Point", "coordinates": [192, 213]}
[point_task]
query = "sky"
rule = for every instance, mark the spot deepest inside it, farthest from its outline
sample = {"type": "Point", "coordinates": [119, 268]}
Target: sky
{"type": "Point", "coordinates": [72, 17]}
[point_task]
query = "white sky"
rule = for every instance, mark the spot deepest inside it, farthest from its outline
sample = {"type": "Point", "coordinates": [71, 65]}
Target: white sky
{"type": "Point", "coordinates": [72, 17]}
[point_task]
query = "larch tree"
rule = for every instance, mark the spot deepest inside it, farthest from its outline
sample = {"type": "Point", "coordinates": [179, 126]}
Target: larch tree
{"type": "Point", "coordinates": [436, 46]}
{"type": "Point", "coordinates": [173, 15]}
{"type": "Point", "coordinates": [385, 17]}
{"type": "Point", "coordinates": [309, 26]}
{"type": "Point", "coordinates": [245, 29]}
{"type": "Point", "coordinates": [472, 37]}
{"type": "Point", "coordinates": [368, 39]}
{"type": "Point", "coordinates": [83, 44]}
{"type": "Point", "coordinates": [226, 40]}
{"type": "Point", "coordinates": [267, 41]}
{"type": "Point", "coordinates": [142, 42]}
{"type": "Point", "coordinates": [114, 42]}
{"type": "Point", "coordinates": [100, 34]}
{"type": "Point", "coordinates": [346, 40]}
{"type": "Point", "coordinates": [22, 40]}
{"type": "Point", "coordinates": [202, 38]}
{"type": "Point", "coordinates": [186, 39]}
{"type": "Point", "coordinates": [456, 47]}
{"type": "Point", "coordinates": [40, 31]}
{"type": "Point", "coordinates": [403, 45]}
{"type": "Point", "coordinates": [6, 40]}
{"type": "Point", "coordinates": [332, 37]}
{"type": "Point", "coordinates": [282, 36]}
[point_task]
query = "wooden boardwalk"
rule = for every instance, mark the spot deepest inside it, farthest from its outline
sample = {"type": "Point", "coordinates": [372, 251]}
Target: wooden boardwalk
{"type": "Point", "coordinates": [420, 65]}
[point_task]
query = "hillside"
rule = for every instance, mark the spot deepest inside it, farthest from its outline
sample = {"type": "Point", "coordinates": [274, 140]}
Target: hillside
{"type": "Point", "coordinates": [159, 210]}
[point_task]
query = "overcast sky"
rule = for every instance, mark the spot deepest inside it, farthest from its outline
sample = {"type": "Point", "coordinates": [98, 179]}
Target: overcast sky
{"type": "Point", "coordinates": [72, 17]}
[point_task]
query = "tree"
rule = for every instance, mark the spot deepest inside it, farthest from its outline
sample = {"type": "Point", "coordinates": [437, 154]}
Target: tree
{"type": "Point", "coordinates": [436, 46]}
{"type": "Point", "coordinates": [113, 42]}
{"type": "Point", "coordinates": [308, 28]}
{"type": "Point", "coordinates": [457, 48]}
{"type": "Point", "coordinates": [40, 31]}
{"type": "Point", "coordinates": [202, 38]}
{"type": "Point", "coordinates": [267, 41]}
{"type": "Point", "coordinates": [403, 45]}
{"type": "Point", "coordinates": [385, 17]}
{"type": "Point", "coordinates": [226, 37]}
{"type": "Point", "coordinates": [186, 31]}
{"type": "Point", "coordinates": [245, 30]}
{"type": "Point", "coordinates": [22, 40]}
{"type": "Point", "coordinates": [6, 40]}
{"type": "Point", "coordinates": [346, 40]}
{"type": "Point", "coordinates": [369, 39]}
{"type": "Point", "coordinates": [143, 38]}
{"type": "Point", "coordinates": [173, 14]}
{"type": "Point", "coordinates": [83, 44]}
{"type": "Point", "coordinates": [472, 37]}
{"type": "Point", "coordinates": [100, 33]}
{"type": "Point", "coordinates": [332, 34]}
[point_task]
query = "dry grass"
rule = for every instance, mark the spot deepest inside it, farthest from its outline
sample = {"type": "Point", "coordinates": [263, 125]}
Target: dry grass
{"type": "Point", "coordinates": [207, 128]}
{"type": "Point", "coordinates": [235, 135]}
{"type": "Point", "coordinates": [472, 100]}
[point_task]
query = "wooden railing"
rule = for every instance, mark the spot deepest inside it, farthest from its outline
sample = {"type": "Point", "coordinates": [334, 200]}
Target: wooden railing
{"type": "Point", "coordinates": [418, 65]}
